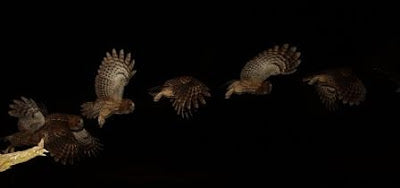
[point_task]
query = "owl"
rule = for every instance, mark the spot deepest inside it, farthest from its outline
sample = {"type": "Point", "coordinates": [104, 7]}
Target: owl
{"type": "Point", "coordinates": [185, 93]}
{"type": "Point", "coordinates": [279, 60]}
{"type": "Point", "coordinates": [113, 75]}
{"type": "Point", "coordinates": [10, 159]}
{"type": "Point", "coordinates": [338, 85]}
{"type": "Point", "coordinates": [64, 135]}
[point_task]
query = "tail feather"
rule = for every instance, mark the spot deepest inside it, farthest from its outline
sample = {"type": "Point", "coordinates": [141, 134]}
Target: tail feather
{"type": "Point", "coordinates": [90, 110]}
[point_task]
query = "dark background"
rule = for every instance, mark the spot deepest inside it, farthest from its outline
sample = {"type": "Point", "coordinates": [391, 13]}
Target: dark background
{"type": "Point", "coordinates": [51, 54]}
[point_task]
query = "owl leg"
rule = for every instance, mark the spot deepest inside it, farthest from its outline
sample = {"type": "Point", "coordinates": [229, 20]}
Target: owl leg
{"type": "Point", "coordinates": [229, 93]}
{"type": "Point", "coordinates": [158, 96]}
{"type": "Point", "coordinates": [104, 113]}
{"type": "Point", "coordinates": [101, 120]}
{"type": "Point", "coordinates": [9, 149]}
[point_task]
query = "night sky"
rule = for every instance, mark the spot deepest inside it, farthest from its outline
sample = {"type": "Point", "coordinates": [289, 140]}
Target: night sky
{"type": "Point", "coordinates": [52, 55]}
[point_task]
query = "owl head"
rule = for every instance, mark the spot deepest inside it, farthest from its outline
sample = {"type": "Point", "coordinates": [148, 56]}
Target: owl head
{"type": "Point", "coordinates": [127, 106]}
{"type": "Point", "coordinates": [248, 86]}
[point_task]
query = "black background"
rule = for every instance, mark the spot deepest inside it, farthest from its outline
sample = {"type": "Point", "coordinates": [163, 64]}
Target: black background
{"type": "Point", "coordinates": [52, 54]}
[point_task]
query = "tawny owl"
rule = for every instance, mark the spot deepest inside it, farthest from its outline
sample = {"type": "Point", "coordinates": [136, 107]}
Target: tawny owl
{"type": "Point", "coordinates": [64, 135]}
{"type": "Point", "coordinates": [185, 92]}
{"type": "Point", "coordinates": [279, 60]}
{"type": "Point", "coordinates": [10, 159]}
{"type": "Point", "coordinates": [113, 75]}
{"type": "Point", "coordinates": [338, 85]}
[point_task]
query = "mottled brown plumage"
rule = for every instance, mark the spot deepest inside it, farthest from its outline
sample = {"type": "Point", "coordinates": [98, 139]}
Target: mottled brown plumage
{"type": "Point", "coordinates": [338, 85]}
{"type": "Point", "coordinates": [113, 75]}
{"type": "Point", "coordinates": [65, 136]}
{"type": "Point", "coordinates": [279, 60]}
{"type": "Point", "coordinates": [185, 92]}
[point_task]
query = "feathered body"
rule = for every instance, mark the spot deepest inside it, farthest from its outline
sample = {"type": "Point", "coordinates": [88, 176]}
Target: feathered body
{"type": "Point", "coordinates": [279, 60]}
{"type": "Point", "coordinates": [64, 134]}
{"type": "Point", "coordinates": [338, 85]}
{"type": "Point", "coordinates": [113, 75]}
{"type": "Point", "coordinates": [185, 92]}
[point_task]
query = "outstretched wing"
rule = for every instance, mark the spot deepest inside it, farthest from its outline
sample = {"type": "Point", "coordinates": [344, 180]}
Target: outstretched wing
{"type": "Point", "coordinates": [340, 85]}
{"type": "Point", "coordinates": [114, 74]}
{"type": "Point", "coordinates": [350, 88]}
{"type": "Point", "coordinates": [188, 94]}
{"type": "Point", "coordinates": [30, 116]}
{"type": "Point", "coordinates": [328, 96]}
{"type": "Point", "coordinates": [274, 61]}
{"type": "Point", "coordinates": [66, 145]}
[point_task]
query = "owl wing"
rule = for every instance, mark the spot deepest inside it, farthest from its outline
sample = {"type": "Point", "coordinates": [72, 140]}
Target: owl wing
{"type": "Point", "coordinates": [114, 74]}
{"type": "Point", "coordinates": [328, 96]}
{"type": "Point", "coordinates": [30, 116]}
{"type": "Point", "coordinates": [350, 88]}
{"type": "Point", "coordinates": [66, 145]}
{"type": "Point", "coordinates": [188, 93]}
{"type": "Point", "coordinates": [274, 61]}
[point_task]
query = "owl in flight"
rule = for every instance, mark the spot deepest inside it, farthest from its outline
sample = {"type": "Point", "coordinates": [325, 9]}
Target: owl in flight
{"type": "Point", "coordinates": [279, 60]}
{"type": "Point", "coordinates": [338, 85]}
{"type": "Point", "coordinates": [113, 75]}
{"type": "Point", "coordinates": [64, 135]}
{"type": "Point", "coordinates": [185, 93]}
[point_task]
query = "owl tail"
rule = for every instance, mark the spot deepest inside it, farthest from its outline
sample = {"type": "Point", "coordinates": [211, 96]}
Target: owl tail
{"type": "Point", "coordinates": [90, 110]}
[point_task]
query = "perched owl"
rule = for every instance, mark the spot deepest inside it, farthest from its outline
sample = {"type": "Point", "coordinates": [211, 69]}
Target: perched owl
{"type": "Point", "coordinates": [280, 60]}
{"type": "Point", "coordinates": [338, 85]}
{"type": "Point", "coordinates": [113, 75]}
{"type": "Point", "coordinates": [64, 135]}
{"type": "Point", "coordinates": [10, 159]}
{"type": "Point", "coordinates": [185, 93]}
